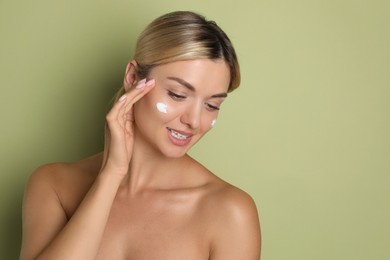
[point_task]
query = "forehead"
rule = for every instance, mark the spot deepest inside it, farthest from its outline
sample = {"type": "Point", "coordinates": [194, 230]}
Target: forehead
{"type": "Point", "coordinates": [203, 74]}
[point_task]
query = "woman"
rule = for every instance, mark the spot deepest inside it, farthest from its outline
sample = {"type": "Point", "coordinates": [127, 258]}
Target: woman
{"type": "Point", "coordinates": [144, 197]}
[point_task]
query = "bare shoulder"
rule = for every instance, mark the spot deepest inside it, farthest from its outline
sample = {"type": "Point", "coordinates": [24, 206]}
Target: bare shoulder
{"type": "Point", "coordinates": [235, 223]}
{"type": "Point", "coordinates": [68, 182]}
{"type": "Point", "coordinates": [52, 194]}
{"type": "Point", "coordinates": [233, 203]}
{"type": "Point", "coordinates": [53, 173]}
{"type": "Point", "coordinates": [60, 174]}
{"type": "Point", "coordinates": [88, 166]}
{"type": "Point", "coordinates": [231, 200]}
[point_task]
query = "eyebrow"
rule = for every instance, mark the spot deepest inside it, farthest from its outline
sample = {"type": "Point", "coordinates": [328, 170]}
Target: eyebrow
{"type": "Point", "coordinates": [191, 88]}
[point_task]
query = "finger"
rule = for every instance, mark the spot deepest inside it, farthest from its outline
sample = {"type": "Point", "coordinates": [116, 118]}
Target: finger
{"type": "Point", "coordinates": [122, 100]}
{"type": "Point", "coordinates": [113, 113]}
{"type": "Point", "coordinates": [120, 110]}
{"type": "Point", "coordinates": [141, 89]}
{"type": "Point", "coordinates": [124, 104]}
{"type": "Point", "coordinates": [137, 94]}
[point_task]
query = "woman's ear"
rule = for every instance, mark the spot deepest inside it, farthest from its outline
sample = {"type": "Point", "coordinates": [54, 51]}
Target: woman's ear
{"type": "Point", "coordinates": [130, 75]}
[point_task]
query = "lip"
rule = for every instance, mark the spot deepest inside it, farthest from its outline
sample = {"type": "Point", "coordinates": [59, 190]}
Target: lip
{"type": "Point", "coordinates": [177, 141]}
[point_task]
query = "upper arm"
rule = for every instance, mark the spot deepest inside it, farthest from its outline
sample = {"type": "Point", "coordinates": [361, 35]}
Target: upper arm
{"type": "Point", "coordinates": [43, 216]}
{"type": "Point", "coordinates": [237, 233]}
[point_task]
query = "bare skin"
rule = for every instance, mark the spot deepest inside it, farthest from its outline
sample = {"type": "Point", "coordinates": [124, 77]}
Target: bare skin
{"type": "Point", "coordinates": [144, 197]}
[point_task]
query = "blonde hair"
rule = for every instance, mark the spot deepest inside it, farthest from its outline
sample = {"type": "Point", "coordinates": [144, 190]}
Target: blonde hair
{"type": "Point", "coordinates": [184, 35]}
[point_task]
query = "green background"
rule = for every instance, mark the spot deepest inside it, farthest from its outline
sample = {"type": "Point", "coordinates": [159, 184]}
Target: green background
{"type": "Point", "coordinates": [307, 134]}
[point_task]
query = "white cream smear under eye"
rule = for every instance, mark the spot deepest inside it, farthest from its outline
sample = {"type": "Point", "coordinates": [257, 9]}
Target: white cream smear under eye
{"type": "Point", "coordinates": [213, 122]}
{"type": "Point", "coordinates": [162, 107]}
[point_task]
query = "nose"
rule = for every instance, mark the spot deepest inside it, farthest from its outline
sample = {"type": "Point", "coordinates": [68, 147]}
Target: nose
{"type": "Point", "coordinates": [192, 115]}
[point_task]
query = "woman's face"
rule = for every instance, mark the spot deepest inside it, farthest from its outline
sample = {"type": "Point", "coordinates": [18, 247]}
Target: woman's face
{"type": "Point", "coordinates": [183, 105]}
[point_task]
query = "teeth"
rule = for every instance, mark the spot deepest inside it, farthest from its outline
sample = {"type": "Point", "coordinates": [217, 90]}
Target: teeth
{"type": "Point", "coordinates": [178, 135]}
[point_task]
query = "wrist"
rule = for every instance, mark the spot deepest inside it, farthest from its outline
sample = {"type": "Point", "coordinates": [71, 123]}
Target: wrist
{"type": "Point", "coordinates": [111, 175]}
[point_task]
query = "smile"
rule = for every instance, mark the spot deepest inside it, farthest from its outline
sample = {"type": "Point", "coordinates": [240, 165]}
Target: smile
{"type": "Point", "coordinates": [177, 134]}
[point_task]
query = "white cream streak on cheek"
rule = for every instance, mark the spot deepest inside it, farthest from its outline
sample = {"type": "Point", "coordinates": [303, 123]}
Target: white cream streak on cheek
{"type": "Point", "coordinates": [213, 122]}
{"type": "Point", "coordinates": [162, 107]}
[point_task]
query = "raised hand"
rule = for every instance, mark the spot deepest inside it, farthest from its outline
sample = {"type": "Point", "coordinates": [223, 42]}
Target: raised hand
{"type": "Point", "coordinates": [119, 129]}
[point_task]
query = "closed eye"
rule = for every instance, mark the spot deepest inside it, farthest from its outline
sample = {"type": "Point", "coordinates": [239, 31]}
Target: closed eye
{"type": "Point", "coordinates": [175, 96]}
{"type": "Point", "coordinates": [212, 107]}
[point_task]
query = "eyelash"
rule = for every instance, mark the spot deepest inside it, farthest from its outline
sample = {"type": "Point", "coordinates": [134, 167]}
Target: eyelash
{"type": "Point", "coordinates": [211, 107]}
{"type": "Point", "coordinates": [177, 97]}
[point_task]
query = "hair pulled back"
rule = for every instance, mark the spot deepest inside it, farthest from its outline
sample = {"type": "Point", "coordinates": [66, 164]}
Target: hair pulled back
{"type": "Point", "coordinates": [184, 35]}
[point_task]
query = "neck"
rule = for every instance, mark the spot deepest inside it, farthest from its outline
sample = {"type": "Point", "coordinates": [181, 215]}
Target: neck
{"type": "Point", "coordinates": [151, 170]}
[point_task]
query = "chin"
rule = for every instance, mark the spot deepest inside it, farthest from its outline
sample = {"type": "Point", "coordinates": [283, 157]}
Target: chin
{"type": "Point", "coordinates": [174, 153]}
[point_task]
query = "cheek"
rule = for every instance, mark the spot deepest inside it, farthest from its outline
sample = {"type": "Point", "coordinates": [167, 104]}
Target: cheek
{"type": "Point", "coordinates": [162, 107]}
{"type": "Point", "coordinates": [145, 110]}
{"type": "Point", "coordinates": [209, 122]}
{"type": "Point", "coordinates": [155, 105]}
{"type": "Point", "coordinates": [165, 107]}
{"type": "Point", "coordinates": [213, 122]}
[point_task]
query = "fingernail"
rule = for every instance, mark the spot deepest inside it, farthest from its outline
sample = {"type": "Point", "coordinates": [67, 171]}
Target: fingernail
{"type": "Point", "coordinates": [150, 82]}
{"type": "Point", "coordinates": [140, 83]}
{"type": "Point", "coordinates": [122, 98]}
